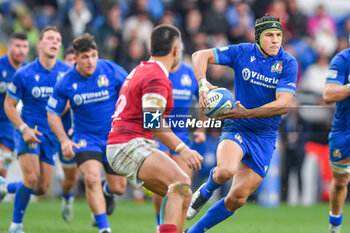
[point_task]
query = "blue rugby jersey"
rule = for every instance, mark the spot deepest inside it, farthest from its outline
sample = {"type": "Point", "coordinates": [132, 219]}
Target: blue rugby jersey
{"type": "Point", "coordinates": [33, 84]}
{"type": "Point", "coordinates": [257, 79]}
{"type": "Point", "coordinates": [6, 75]}
{"type": "Point", "coordinates": [339, 73]}
{"type": "Point", "coordinates": [184, 86]}
{"type": "Point", "coordinates": [92, 99]}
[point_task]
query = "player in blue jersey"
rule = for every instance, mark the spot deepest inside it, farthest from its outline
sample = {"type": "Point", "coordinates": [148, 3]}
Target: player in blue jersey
{"type": "Point", "coordinates": [92, 88]}
{"type": "Point", "coordinates": [337, 90]}
{"type": "Point", "coordinates": [17, 51]}
{"type": "Point", "coordinates": [185, 87]}
{"type": "Point", "coordinates": [34, 141]}
{"type": "Point", "coordinates": [264, 84]}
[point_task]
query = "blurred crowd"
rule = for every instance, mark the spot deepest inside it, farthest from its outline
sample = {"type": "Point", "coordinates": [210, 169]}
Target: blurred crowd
{"type": "Point", "coordinates": [122, 30]}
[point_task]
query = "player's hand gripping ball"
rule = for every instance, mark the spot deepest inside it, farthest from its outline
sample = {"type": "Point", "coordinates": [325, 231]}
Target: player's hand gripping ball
{"type": "Point", "coordinates": [220, 100]}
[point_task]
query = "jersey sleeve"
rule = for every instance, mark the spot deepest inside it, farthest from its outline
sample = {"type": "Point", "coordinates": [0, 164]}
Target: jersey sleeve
{"type": "Point", "coordinates": [156, 86]}
{"type": "Point", "coordinates": [288, 79]}
{"type": "Point", "coordinates": [58, 100]}
{"type": "Point", "coordinates": [337, 70]}
{"type": "Point", "coordinates": [17, 87]}
{"type": "Point", "coordinates": [226, 55]}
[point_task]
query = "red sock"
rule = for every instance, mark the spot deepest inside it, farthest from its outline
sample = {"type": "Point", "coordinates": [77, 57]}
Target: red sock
{"type": "Point", "coordinates": [167, 228]}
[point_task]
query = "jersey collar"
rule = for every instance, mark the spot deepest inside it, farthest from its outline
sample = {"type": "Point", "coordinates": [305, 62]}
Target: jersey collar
{"type": "Point", "coordinates": [41, 68]}
{"type": "Point", "coordinates": [160, 64]}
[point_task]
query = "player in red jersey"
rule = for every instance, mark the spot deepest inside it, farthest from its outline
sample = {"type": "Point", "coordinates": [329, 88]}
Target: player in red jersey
{"type": "Point", "coordinates": [145, 97]}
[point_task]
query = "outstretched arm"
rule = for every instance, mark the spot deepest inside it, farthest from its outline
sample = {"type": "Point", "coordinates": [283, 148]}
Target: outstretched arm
{"type": "Point", "coordinates": [278, 107]}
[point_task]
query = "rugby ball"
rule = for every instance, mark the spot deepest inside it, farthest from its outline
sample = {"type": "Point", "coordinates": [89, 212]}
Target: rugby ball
{"type": "Point", "coordinates": [220, 100]}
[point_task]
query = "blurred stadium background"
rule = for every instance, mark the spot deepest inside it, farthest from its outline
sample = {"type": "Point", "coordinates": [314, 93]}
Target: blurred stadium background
{"type": "Point", "coordinates": [314, 31]}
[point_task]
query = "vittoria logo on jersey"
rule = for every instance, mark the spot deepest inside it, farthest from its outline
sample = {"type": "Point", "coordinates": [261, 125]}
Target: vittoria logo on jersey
{"type": "Point", "coordinates": [91, 97]}
{"type": "Point", "coordinates": [102, 81]}
{"type": "Point", "coordinates": [336, 153]}
{"type": "Point", "coordinates": [259, 79]}
{"type": "Point", "coordinates": [181, 94]}
{"type": "Point", "coordinates": [186, 80]}
{"type": "Point", "coordinates": [277, 67]}
{"type": "Point", "coordinates": [42, 92]}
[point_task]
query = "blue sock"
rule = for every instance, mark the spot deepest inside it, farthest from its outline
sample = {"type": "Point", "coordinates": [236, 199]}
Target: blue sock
{"type": "Point", "coordinates": [101, 221]}
{"type": "Point", "coordinates": [13, 186]}
{"type": "Point", "coordinates": [335, 220]}
{"type": "Point", "coordinates": [22, 198]}
{"type": "Point", "coordinates": [217, 213]}
{"type": "Point", "coordinates": [158, 219]}
{"type": "Point", "coordinates": [67, 196]}
{"type": "Point", "coordinates": [106, 189]}
{"type": "Point", "coordinates": [210, 186]}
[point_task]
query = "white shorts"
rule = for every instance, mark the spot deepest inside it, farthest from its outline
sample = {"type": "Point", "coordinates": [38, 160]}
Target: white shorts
{"type": "Point", "coordinates": [127, 158]}
{"type": "Point", "coordinates": [340, 168]}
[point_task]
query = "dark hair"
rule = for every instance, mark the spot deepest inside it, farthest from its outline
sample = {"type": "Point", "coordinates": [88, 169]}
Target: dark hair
{"type": "Point", "coordinates": [84, 43]}
{"type": "Point", "coordinates": [69, 50]}
{"type": "Point", "coordinates": [264, 23]}
{"type": "Point", "coordinates": [48, 28]}
{"type": "Point", "coordinates": [19, 35]}
{"type": "Point", "coordinates": [162, 39]}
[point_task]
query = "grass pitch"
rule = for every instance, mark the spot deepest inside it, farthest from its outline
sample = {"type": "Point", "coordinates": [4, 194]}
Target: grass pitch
{"type": "Point", "coordinates": [130, 217]}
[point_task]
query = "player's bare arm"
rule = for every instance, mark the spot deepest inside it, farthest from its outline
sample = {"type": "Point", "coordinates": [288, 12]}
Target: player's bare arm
{"type": "Point", "coordinates": [278, 107]}
{"type": "Point", "coordinates": [29, 134]}
{"type": "Point", "coordinates": [334, 92]}
{"type": "Point", "coordinates": [56, 125]}
{"type": "Point", "coordinates": [200, 60]}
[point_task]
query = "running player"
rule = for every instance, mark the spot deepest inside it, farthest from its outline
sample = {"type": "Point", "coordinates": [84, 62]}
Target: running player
{"type": "Point", "coordinates": [147, 94]}
{"type": "Point", "coordinates": [337, 90]}
{"type": "Point", "coordinates": [34, 141]}
{"type": "Point", "coordinates": [265, 83]}
{"type": "Point", "coordinates": [92, 89]}
{"type": "Point", "coordinates": [17, 51]}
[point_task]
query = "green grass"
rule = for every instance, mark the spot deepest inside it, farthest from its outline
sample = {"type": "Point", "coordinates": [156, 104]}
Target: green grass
{"type": "Point", "coordinates": [132, 217]}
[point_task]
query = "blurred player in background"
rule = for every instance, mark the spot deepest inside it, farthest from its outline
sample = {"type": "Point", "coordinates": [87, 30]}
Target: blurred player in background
{"type": "Point", "coordinates": [185, 87]}
{"type": "Point", "coordinates": [92, 89]}
{"type": "Point", "coordinates": [147, 94]}
{"type": "Point", "coordinates": [17, 51]}
{"type": "Point", "coordinates": [337, 90]}
{"type": "Point", "coordinates": [265, 83]}
{"type": "Point", "coordinates": [34, 141]}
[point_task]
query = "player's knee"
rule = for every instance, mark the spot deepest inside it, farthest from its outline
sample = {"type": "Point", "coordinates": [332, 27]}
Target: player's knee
{"type": "Point", "coordinates": [224, 174]}
{"type": "Point", "coordinates": [180, 188]}
{"type": "Point", "coordinates": [118, 187]}
{"type": "Point", "coordinates": [234, 202]}
{"type": "Point", "coordinates": [30, 180]}
{"type": "Point", "coordinates": [92, 180]}
{"type": "Point", "coordinates": [340, 184]}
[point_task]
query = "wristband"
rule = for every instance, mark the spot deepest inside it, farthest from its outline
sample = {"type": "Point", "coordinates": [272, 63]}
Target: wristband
{"type": "Point", "coordinates": [202, 83]}
{"type": "Point", "coordinates": [183, 150]}
{"type": "Point", "coordinates": [179, 146]}
{"type": "Point", "coordinates": [22, 127]}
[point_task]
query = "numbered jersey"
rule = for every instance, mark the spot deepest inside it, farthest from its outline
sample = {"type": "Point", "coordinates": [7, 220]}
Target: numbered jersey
{"type": "Point", "coordinates": [147, 78]}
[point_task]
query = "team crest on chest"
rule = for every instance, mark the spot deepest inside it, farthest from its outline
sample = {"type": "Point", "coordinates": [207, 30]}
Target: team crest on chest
{"type": "Point", "coordinates": [186, 80]}
{"type": "Point", "coordinates": [60, 75]}
{"type": "Point", "coordinates": [277, 67]}
{"type": "Point", "coordinates": [102, 81]}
